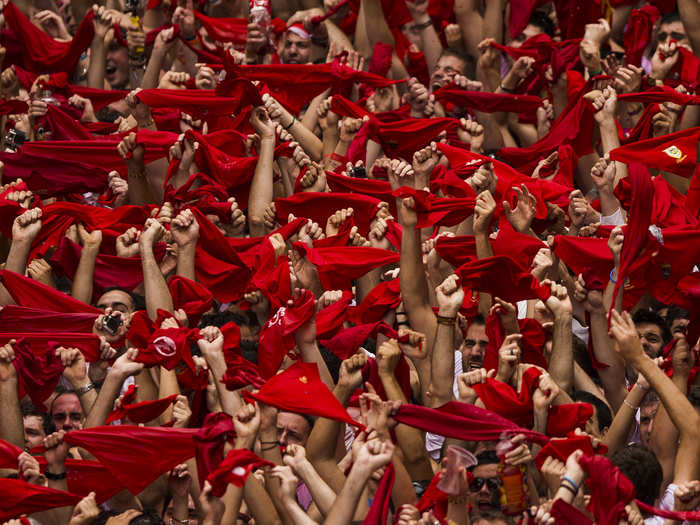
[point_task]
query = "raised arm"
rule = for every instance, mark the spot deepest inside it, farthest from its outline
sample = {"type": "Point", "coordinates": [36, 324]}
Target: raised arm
{"type": "Point", "coordinates": [11, 425]}
{"type": "Point", "coordinates": [690, 16]}
{"type": "Point", "coordinates": [261, 187]}
{"type": "Point", "coordinates": [156, 289]}
{"type": "Point", "coordinates": [185, 230]}
{"type": "Point", "coordinates": [561, 361]}
{"type": "Point", "coordinates": [84, 274]}
{"type": "Point", "coordinates": [211, 343]}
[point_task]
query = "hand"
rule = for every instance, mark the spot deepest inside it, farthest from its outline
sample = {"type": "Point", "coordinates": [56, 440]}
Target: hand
{"type": "Point", "coordinates": [416, 97]}
{"type": "Point", "coordinates": [22, 197]}
{"type": "Point", "coordinates": [211, 342]}
{"type": "Point", "coordinates": [56, 452]}
{"type": "Point", "coordinates": [73, 362]}
{"type": "Point", "coordinates": [603, 174]}
{"type": "Point", "coordinates": [314, 179]}
{"type": "Point", "coordinates": [450, 296]}
{"type": "Point", "coordinates": [212, 507]}
{"type": "Point", "coordinates": [663, 60]}
{"type": "Point", "coordinates": [377, 235]}
{"type": "Point", "coordinates": [164, 41]}
{"type": "Point", "coordinates": [103, 22]}
{"type": "Point", "coordinates": [682, 356]}
{"type": "Point", "coordinates": [327, 119]}
{"type": "Point", "coordinates": [93, 238]}
{"type": "Point", "coordinates": [687, 496]}
{"type": "Point", "coordinates": [465, 382]}
{"type": "Point", "coordinates": [521, 69]}
{"type": "Point", "coordinates": [615, 242]}
{"type": "Point", "coordinates": [545, 116]}
{"type": "Point", "coordinates": [453, 35]}
{"type": "Point", "coordinates": [578, 209]}
{"type": "Point", "coordinates": [84, 104]}
{"type": "Point", "coordinates": [520, 454]}
{"type": "Point", "coordinates": [262, 123]}
{"type": "Point", "coordinates": [604, 104]}
{"type": "Point", "coordinates": [628, 79]}
{"type": "Point", "coordinates": [663, 122]}
{"type": "Point", "coordinates": [472, 133]}
{"type": "Point", "coordinates": [131, 152]}
{"type": "Point", "coordinates": [484, 209]}
{"type": "Point", "coordinates": [205, 78]}
{"type": "Point", "coordinates": [523, 214]}
{"type": "Point", "coordinates": [127, 244]}
{"type": "Point", "coordinates": [181, 412]}
{"type": "Point", "coordinates": [541, 515]}
{"type": "Point", "coordinates": [372, 454]}
{"type": "Point", "coordinates": [153, 231]}
{"type": "Point", "coordinates": [508, 357]}
{"type": "Point", "coordinates": [350, 373]}
{"type": "Point", "coordinates": [508, 314]}
{"type": "Point", "coordinates": [85, 511]}
{"type": "Point", "coordinates": [415, 347]}
{"type": "Point", "coordinates": [552, 470]}
{"type": "Point", "coordinates": [40, 270]}
{"type": "Point", "coordinates": [592, 300]}
{"type": "Point", "coordinates": [288, 482]}
{"type": "Point", "coordinates": [185, 228]}
{"type": "Point", "coordinates": [489, 57]}
{"type": "Point", "coordinates": [29, 469]}
{"type": "Point", "coordinates": [401, 173]}
{"type": "Point", "coordinates": [424, 161]}
{"type": "Point", "coordinates": [256, 40]}
{"type": "Point", "coordinates": [627, 342]}
{"type": "Point", "coordinates": [275, 110]}
{"type": "Point", "coordinates": [295, 457]}
{"type": "Point", "coordinates": [542, 263]}
{"type": "Point", "coordinates": [546, 391]}
{"type": "Point", "coordinates": [140, 111]}
{"type": "Point", "coordinates": [336, 220]}
{"type": "Point", "coordinates": [27, 226]}
{"type": "Point", "coordinates": [125, 365]}
{"type": "Point", "coordinates": [184, 17]}
{"type": "Point", "coordinates": [52, 24]}
{"type": "Point", "coordinates": [349, 128]}
{"type": "Point", "coordinates": [179, 481]}
{"type": "Point", "coordinates": [558, 302]}
{"type": "Point", "coordinates": [598, 32]}
{"type": "Point", "coordinates": [173, 80]}
{"type": "Point", "coordinates": [408, 217]}
{"type": "Point", "coordinates": [303, 270]}
{"type": "Point", "coordinates": [98, 325]}
{"type": "Point", "coordinates": [418, 8]}
{"type": "Point", "coordinates": [388, 356]}
{"type": "Point", "coordinates": [573, 469]}
{"type": "Point", "coordinates": [119, 187]}
{"type": "Point", "coordinates": [136, 40]}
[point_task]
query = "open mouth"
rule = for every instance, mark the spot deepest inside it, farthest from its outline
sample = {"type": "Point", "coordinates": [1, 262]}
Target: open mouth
{"type": "Point", "coordinates": [110, 70]}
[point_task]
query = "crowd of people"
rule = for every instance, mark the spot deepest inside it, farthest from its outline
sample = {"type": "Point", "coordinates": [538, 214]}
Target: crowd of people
{"type": "Point", "coordinates": [373, 261]}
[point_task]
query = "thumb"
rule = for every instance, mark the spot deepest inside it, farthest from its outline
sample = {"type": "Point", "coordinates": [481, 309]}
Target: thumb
{"type": "Point", "coordinates": [507, 209]}
{"type": "Point", "coordinates": [491, 373]}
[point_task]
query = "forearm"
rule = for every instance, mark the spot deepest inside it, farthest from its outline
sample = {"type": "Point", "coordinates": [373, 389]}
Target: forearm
{"type": "Point", "coordinates": [561, 361]}
{"type": "Point", "coordinates": [84, 274]}
{"type": "Point", "coordinates": [306, 138]}
{"type": "Point", "coordinates": [295, 513]}
{"type": "Point", "coordinates": [442, 368]}
{"type": "Point", "coordinates": [152, 73]}
{"type": "Point", "coordinates": [617, 434]}
{"type": "Point", "coordinates": [230, 401]}
{"type": "Point", "coordinates": [105, 400]}
{"type": "Point", "coordinates": [156, 289]}
{"type": "Point", "coordinates": [311, 354]}
{"type": "Point", "coordinates": [167, 386]}
{"type": "Point", "coordinates": [11, 425]}
{"type": "Point", "coordinates": [373, 20]}
{"type": "Point", "coordinates": [414, 285]}
{"type": "Point", "coordinates": [139, 192]}
{"type": "Point", "coordinates": [232, 499]}
{"type": "Point", "coordinates": [96, 67]}
{"type": "Point", "coordinates": [17, 258]}
{"type": "Point", "coordinates": [87, 399]}
{"type": "Point", "coordinates": [613, 376]}
{"type": "Point", "coordinates": [343, 508]}
{"type": "Point", "coordinates": [663, 441]}
{"type": "Point", "coordinates": [259, 503]}
{"type": "Point", "coordinates": [261, 187]}
{"type": "Point", "coordinates": [470, 23]}
{"type": "Point", "coordinates": [185, 261]}
{"type": "Point", "coordinates": [431, 46]}
{"type": "Point", "coordinates": [690, 16]}
{"type": "Point", "coordinates": [608, 202]}
{"type": "Point", "coordinates": [324, 434]}
{"type": "Point", "coordinates": [310, 118]}
{"type": "Point", "coordinates": [321, 493]}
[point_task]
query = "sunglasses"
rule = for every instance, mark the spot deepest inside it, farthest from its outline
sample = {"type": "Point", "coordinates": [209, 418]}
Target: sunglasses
{"type": "Point", "coordinates": [491, 483]}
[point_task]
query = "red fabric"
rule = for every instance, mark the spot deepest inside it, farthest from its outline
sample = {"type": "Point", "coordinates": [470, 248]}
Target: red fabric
{"type": "Point", "coordinates": [143, 412]}
{"type": "Point", "coordinates": [638, 33]}
{"type": "Point", "coordinates": [377, 189]}
{"type": "Point", "coordinates": [432, 210]}
{"type": "Point", "coordinates": [339, 265]}
{"type": "Point", "coordinates": [531, 345]}
{"type": "Point", "coordinates": [300, 389]}
{"type": "Point", "coordinates": [501, 277]}
{"type": "Point", "coordinates": [331, 318]}
{"type": "Point", "coordinates": [20, 497]}
{"type": "Point", "coordinates": [168, 347]}
{"type": "Point", "coordinates": [520, 13]}
{"type": "Point", "coordinates": [456, 250]}
{"type": "Point", "coordinates": [610, 489]}
{"type": "Point", "coordinates": [164, 448]}
{"type": "Point", "coordinates": [25, 319]}
{"type": "Point", "coordinates": [567, 514]}
{"type": "Point", "coordinates": [562, 448]}
{"type": "Point", "coordinates": [379, 511]}
{"type": "Point", "coordinates": [217, 430]}
{"type": "Point", "coordinates": [488, 102]}
{"type": "Point", "coordinates": [521, 248]}
{"type": "Point", "coordinates": [382, 298]}
{"type": "Point", "coordinates": [194, 298]}
{"type": "Point", "coordinates": [232, 30]}
{"type": "Point", "coordinates": [319, 206]}
{"type": "Point", "coordinates": [462, 421]}
{"type": "Point", "coordinates": [43, 342]}
{"type": "Point", "coordinates": [28, 292]}
{"type": "Point", "coordinates": [43, 54]}
{"type": "Point", "coordinates": [235, 468]}
{"type": "Point", "coordinates": [581, 253]}
{"type": "Point", "coordinates": [37, 374]}
{"type": "Point", "coordinates": [573, 16]}
{"type": "Point", "coordinates": [346, 342]}
{"type": "Point", "coordinates": [675, 153]}
{"type": "Point", "coordinates": [277, 336]}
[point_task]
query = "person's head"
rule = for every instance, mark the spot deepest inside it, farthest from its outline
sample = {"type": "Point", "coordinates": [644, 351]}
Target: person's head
{"type": "Point", "coordinates": [602, 416]}
{"type": "Point", "coordinates": [642, 468]}
{"type": "Point", "coordinates": [118, 299]}
{"type": "Point", "coordinates": [647, 412]}
{"type": "Point", "coordinates": [671, 28]}
{"type": "Point", "coordinates": [293, 428]}
{"type": "Point", "coordinates": [117, 65]}
{"type": "Point", "coordinates": [491, 518]}
{"type": "Point", "coordinates": [128, 517]}
{"type": "Point", "coordinates": [677, 319]}
{"type": "Point", "coordinates": [652, 331]}
{"type": "Point", "coordinates": [483, 491]}
{"type": "Point", "coordinates": [539, 23]}
{"type": "Point", "coordinates": [295, 47]}
{"type": "Point", "coordinates": [66, 411]}
{"type": "Point", "coordinates": [37, 426]}
{"type": "Point", "coordinates": [475, 341]}
{"type": "Point", "coordinates": [452, 62]}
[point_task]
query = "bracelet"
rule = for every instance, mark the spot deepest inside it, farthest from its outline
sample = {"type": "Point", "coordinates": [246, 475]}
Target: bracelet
{"type": "Point", "coordinates": [449, 321]}
{"type": "Point", "coordinates": [507, 90]}
{"type": "Point", "coordinates": [294, 119]}
{"type": "Point", "coordinates": [614, 281]}
{"type": "Point", "coordinates": [270, 447]}
{"type": "Point", "coordinates": [592, 74]}
{"type": "Point", "coordinates": [630, 405]}
{"type": "Point", "coordinates": [269, 442]}
{"type": "Point", "coordinates": [574, 485]}
{"type": "Point", "coordinates": [85, 389]}
{"type": "Point", "coordinates": [424, 25]}
{"type": "Point", "coordinates": [569, 488]}
{"type": "Point", "coordinates": [54, 477]}
{"type": "Point", "coordinates": [191, 39]}
{"type": "Point", "coordinates": [402, 323]}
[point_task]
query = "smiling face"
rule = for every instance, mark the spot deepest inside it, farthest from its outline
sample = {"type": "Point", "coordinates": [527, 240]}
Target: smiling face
{"type": "Point", "coordinates": [117, 65]}
{"type": "Point", "coordinates": [483, 492]}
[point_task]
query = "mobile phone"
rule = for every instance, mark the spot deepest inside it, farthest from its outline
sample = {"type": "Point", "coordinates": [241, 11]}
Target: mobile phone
{"type": "Point", "coordinates": [359, 172]}
{"type": "Point", "coordinates": [111, 323]}
{"type": "Point", "coordinates": [14, 139]}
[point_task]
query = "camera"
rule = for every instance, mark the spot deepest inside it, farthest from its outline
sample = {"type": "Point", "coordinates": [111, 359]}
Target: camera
{"type": "Point", "coordinates": [359, 172]}
{"type": "Point", "coordinates": [111, 323]}
{"type": "Point", "coordinates": [14, 139]}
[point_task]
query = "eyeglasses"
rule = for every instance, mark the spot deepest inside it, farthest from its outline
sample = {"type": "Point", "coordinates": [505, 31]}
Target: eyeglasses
{"type": "Point", "coordinates": [491, 483]}
{"type": "Point", "coordinates": [661, 37]}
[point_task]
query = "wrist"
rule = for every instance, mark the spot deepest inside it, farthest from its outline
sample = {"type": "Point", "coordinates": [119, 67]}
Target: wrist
{"type": "Point", "coordinates": [447, 311]}
{"type": "Point", "coordinates": [244, 442]}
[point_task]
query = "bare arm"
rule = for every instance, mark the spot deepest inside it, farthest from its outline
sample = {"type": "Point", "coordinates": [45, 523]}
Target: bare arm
{"type": "Point", "coordinates": [562, 358]}
{"type": "Point", "coordinates": [261, 187]}
{"type": "Point", "coordinates": [156, 289]}
{"type": "Point", "coordinates": [617, 435]}
{"type": "Point", "coordinates": [450, 297]}
{"type": "Point", "coordinates": [84, 273]}
{"type": "Point", "coordinates": [690, 16]}
{"type": "Point", "coordinates": [11, 425]}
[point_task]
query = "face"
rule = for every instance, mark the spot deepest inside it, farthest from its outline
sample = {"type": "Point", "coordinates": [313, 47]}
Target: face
{"type": "Point", "coordinates": [295, 49]}
{"type": "Point", "coordinates": [67, 414]}
{"type": "Point", "coordinates": [474, 345]}
{"type": "Point", "coordinates": [646, 420]}
{"type": "Point", "coordinates": [673, 31]}
{"type": "Point", "coordinates": [411, 33]}
{"type": "Point", "coordinates": [679, 325]}
{"type": "Point", "coordinates": [117, 65]}
{"type": "Point", "coordinates": [650, 336]}
{"type": "Point", "coordinates": [483, 493]}
{"type": "Point", "coordinates": [292, 429]}
{"type": "Point", "coordinates": [447, 67]}
{"type": "Point", "coordinates": [33, 431]}
{"type": "Point", "coordinates": [117, 300]}
{"type": "Point", "coordinates": [530, 31]}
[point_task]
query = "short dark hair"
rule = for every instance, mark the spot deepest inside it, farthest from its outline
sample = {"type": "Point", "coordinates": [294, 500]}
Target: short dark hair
{"type": "Point", "coordinates": [542, 20]}
{"type": "Point", "coordinates": [28, 409]}
{"type": "Point", "coordinates": [649, 317]}
{"type": "Point", "coordinates": [137, 300]}
{"type": "Point", "coordinates": [675, 312]}
{"type": "Point", "coordinates": [477, 319]}
{"type": "Point", "coordinates": [671, 17]}
{"type": "Point", "coordinates": [602, 411]}
{"type": "Point", "coordinates": [468, 67]}
{"type": "Point", "coordinates": [487, 457]}
{"type": "Point", "coordinates": [642, 468]}
{"type": "Point", "coordinates": [61, 390]}
{"type": "Point", "coordinates": [219, 319]}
